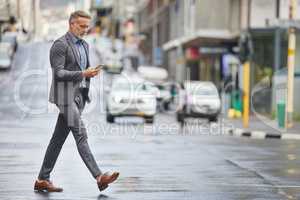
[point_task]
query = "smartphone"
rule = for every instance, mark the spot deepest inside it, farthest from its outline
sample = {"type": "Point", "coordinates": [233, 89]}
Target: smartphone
{"type": "Point", "coordinates": [99, 67]}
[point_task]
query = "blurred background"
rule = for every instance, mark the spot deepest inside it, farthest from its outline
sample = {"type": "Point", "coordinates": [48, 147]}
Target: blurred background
{"type": "Point", "coordinates": [192, 40]}
{"type": "Point", "coordinates": [180, 78]}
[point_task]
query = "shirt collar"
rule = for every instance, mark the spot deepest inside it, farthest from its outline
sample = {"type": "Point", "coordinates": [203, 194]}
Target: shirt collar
{"type": "Point", "coordinates": [74, 38]}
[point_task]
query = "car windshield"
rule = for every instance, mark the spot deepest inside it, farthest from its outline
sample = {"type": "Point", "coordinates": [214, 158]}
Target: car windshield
{"type": "Point", "coordinates": [204, 91]}
{"type": "Point", "coordinates": [9, 39]}
{"type": "Point", "coordinates": [4, 55]}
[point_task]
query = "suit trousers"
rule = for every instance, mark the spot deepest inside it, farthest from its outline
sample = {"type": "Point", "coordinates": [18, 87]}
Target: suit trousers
{"type": "Point", "coordinates": [69, 119]}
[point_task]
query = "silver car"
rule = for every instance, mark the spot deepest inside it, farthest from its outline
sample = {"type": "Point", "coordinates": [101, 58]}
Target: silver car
{"type": "Point", "coordinates": [6, 55]}
{"type": "Point", "coordinates": [200, 100]}
{"type": "Point", "coordinates": [131, 96]}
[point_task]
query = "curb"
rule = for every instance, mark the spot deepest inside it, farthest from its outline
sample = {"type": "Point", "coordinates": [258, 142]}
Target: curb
{"type": "Point", "coordinates": [261, 134]}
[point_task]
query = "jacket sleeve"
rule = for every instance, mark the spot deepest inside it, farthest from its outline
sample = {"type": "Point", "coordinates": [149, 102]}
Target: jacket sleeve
{"type": "Point", "coordinates": [57, 61]}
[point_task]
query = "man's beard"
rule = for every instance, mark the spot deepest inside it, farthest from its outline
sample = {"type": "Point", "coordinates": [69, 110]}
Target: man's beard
{"type": "Point", "coordinates": [81, 35]}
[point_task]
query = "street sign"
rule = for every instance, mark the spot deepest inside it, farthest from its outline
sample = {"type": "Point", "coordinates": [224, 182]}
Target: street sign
{"type": "Point", "coordinates": [213, 50]}
{"type": "Point", "coordinates": [283, 23]}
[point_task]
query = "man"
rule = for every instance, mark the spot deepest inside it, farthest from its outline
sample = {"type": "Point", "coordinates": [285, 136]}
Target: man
{"type": "Point", "coordinates": [71, 73]}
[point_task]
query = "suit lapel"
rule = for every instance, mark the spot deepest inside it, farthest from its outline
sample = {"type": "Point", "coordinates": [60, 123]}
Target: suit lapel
{"type": "Point", "coordinates": [73, 49]}
{"type": "Point", "coordinates": [86, 49]}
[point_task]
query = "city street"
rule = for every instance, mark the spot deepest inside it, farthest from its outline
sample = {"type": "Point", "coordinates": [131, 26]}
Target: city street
{"type": "Point", "coordinates": [162, 161]}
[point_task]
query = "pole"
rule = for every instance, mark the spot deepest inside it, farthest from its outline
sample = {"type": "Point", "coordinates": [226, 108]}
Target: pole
{"type": "Point", "coordinates": [34, 17]}
{"type": "Point", "coordinates": [154, 32]}
{"type": "Point", "coordinates": [8, 7]}
{"type": "Point", "coordinates": [291, 67]}
{"type": "Point", "coordinates": [246, 76]}
{"type": "Point", "coordinates": [246, 86]}
{"type": "Point", "coordinates": [18, 9]}
{"type": "Point", "coordinates": [277, 9]}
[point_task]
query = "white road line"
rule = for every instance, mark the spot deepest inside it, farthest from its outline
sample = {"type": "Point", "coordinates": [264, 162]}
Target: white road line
{"type": "Point", "coordinates": [290, 136]}
{"type": "Point", "coordinates": [254, 185]}
{"type": "Point", "coordinates": [258, 134]}
{"type": "Point", "coordinates": [238, 132]}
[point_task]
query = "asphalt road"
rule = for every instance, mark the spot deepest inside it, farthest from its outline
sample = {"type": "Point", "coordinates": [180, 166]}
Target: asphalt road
{"type": "Point", "coordinates": [162, 161]}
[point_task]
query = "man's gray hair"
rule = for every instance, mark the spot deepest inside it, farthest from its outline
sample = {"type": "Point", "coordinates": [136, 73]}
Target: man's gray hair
{"type": "Point", "coordinates": [78, 13]}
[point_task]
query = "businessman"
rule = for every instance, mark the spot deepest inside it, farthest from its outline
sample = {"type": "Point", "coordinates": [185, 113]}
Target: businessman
{"type": "Point", "coordinates": [71, 74]}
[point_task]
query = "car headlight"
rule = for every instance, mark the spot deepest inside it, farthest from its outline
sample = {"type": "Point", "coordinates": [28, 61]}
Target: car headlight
{"type": "Point", "coordinates": [117, 99]}
{"type": "Point", "coordinates": [214, 106]}
{"type": "Point", "coordinates": [141, 101]}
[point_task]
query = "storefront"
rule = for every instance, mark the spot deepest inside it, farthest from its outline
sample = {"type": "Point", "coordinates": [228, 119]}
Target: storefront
{"type": "Point", "coordinates": [269, 58]}
{"type": "Point", "coordinates": [199, 56]}
{"type": "Point", "coordinates": [207, 64]}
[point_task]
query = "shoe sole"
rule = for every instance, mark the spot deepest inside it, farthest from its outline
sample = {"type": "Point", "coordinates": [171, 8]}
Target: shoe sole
{"type": "Point", "coordinates": [103, 187]}
{"type": "Point", "coordinates": [45, 190]}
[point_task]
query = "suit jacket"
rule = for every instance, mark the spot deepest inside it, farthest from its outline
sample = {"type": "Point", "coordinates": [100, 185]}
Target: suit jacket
{"type": "Point", "coordinates": [66, 72]}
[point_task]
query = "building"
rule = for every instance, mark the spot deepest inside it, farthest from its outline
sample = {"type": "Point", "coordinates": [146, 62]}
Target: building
{"type": "Point", "coordinates": [268, 25]}
{"type": "Point", "coordinates": [26, 13]}
{"type": "Point", "coordinates": [191, 38]}
{"type": "Point", "coordinates": [187, 38]}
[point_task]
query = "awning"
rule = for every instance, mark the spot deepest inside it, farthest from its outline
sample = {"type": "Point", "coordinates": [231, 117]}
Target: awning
{"type": "Point", "coordinates": [207, 35]}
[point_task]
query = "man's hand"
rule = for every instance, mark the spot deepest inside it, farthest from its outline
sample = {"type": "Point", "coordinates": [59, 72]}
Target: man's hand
{"type": "Point", "coordinates": [90, 72]}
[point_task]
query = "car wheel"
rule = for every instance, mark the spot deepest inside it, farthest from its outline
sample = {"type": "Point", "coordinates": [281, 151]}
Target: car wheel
{"type": "Point", "coordinates": [180, 118]}
{"type": "Point", "coordinates": [166, 105]}
{"type": "Point", "coordinates": [149, 120]}
{"type": "Point", "coordinates": [110, 118]}
{"type": "Point", "coordinates": [213, 119]}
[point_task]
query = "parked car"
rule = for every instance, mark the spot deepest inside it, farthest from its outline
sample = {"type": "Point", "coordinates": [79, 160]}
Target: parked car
{"type": "Point", "coordinates": [164, 95]}
{"type": "Point", "coordinates": [158, 76]}
{"type": "Point", "coordinates": [131, 97]}
{"type": "Point", "coordinates": [6, 55]}
{"type": "Point", "coordinates": [11, 38]}
{"type": "Point", "coordinates": [200, 100]}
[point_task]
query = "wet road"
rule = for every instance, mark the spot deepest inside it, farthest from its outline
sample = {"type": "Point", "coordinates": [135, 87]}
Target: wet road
{"type": "Point", "coordinates": [156, 162]}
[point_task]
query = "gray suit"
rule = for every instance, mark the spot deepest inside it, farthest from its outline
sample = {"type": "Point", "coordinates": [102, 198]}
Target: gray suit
{"type": "Point", "coordinates": [66, 72]}
{"type": "Point", "coordinates": [70, 98]}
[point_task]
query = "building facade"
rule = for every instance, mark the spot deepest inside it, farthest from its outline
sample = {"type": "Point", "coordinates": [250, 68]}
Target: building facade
{"type": "Point", "coordinates": [193, 39]}
{"type": "Point", "coordinates": [189, 38]}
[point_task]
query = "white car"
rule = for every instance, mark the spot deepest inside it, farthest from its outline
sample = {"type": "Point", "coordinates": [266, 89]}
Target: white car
{"type": "Point", "coordinates": [164, 95]}
{"type": "Point", "coordinates": [6, 55]}
{"type": "Point", "coordinates": [200, 100]}
{"type": "Point", "coordinates": [10, 38]}
{"type": "Point", "coordinates": [131, 96]}
{"type": "Point", "coordinates": [158, 76]}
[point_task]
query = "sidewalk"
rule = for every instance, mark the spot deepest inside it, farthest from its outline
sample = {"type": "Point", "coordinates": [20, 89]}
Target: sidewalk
{"type": "Point", "coordinates": [263, 128]}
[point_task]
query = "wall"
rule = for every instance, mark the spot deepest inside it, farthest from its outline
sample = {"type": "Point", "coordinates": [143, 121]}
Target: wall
{"type": "Point", "coordinates": [176, 17]}
{"type": "Point", "coordinates": [261, 10]}
{"type": "Point", "coordinates": [227, 16]}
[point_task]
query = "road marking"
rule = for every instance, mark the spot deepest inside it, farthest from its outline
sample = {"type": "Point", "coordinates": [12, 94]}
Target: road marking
{"type": "Point", "coordinates": [238, 132]}
{"type": "Point", "coordinates": [262, 135]}
{"type": "Point", "coordinates": [258, 134]}
{"type": "Point", "coordinates": [254, 185]}
{"type": "Point", "coordinates": [290, 136]}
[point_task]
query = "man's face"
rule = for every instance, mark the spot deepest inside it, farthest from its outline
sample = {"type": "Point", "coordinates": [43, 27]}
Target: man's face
{"type": "Point", "coordinates": [80, 26]}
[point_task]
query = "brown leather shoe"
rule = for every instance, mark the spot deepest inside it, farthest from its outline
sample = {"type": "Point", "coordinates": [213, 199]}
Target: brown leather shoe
{"type": "Point", "coordinates": [105, 179]}
{"type": "Point", "coordinates": [44, 185]}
